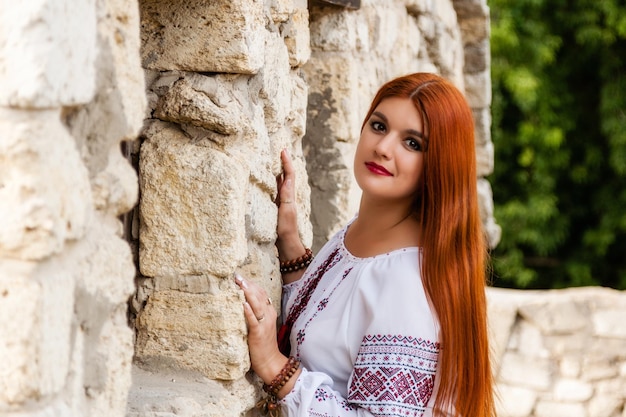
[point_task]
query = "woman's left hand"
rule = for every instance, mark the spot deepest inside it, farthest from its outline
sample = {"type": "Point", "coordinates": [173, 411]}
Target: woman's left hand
{"type": "Point", "coordinates": [265, 358]}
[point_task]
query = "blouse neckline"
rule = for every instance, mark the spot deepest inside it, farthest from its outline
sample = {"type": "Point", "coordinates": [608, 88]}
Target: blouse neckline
{"type": "Point", "coordinates": [349, 255]}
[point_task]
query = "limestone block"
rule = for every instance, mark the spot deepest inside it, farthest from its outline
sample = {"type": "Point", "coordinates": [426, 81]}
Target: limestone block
{"type": "Point", "coordinates": [485, 200]}
{"type": "Point", "coordinates": [514, 401]}
{"type": "Point", "coordinates": [47, 53]}
{"type": "Point", "coordinates": [612, 386]}
{"type": "Point", "coordinates": [475, 29]}
{"type": "Point", "coordinates": [611, 349]}
{"type": "Point", "coordinates": [169, 393]}
{"type": "Point", "coordinates": [568, 344]}
{"type": "Point", "coordinates": [333, 91]}
{"type": "Point", "coordinates": [524, 371]}
{"type": "Point", "coordinates": [204, 102]}
{"type": "Point", "coordinates": [477, 57]}
{"type": "Point", "coordinates": [604, 406]}
{"type": "Point", "coordinates": [45, 196]}
{"type": "Point", "coordinates": [470, 8]}
{"type": "Point", "coordinates": [118, 26]}
{"type": "Point", "coordinates": [297, 113]}
{"type": "Point", "coordinates": [104, 268]}
{"type": "Point", "coordinates": [598, 368]}
{"type": "Point", "coordinates": [610, 323]}
{"type": "Point", "coordinates": [444, 43]}
{"type": "Point", "coordinates": [217, 36]}
{"type": "Point", "coordinates": [482, 128]}
{"type": "Point", "coordinates": [484, 146]}
{"type": "Point", "coordinates": [261, 216]}
{"type": "Point", "coordinates": [556, 316]}
{"type": "Point", "coordinates": [572, 390]}
{"type": "Point", "coordinates": [196, 284]}
{"type": "Point", "coordinates": [552, 408]}
{"type": "Point", "coordinates": [445, 13]}
{"type": "Point", "coordinates": [478, 89]}
{"type": "Point", "coordinates": [200, 332]}
{"type": "Point", "coordinates": [297, 37]}
{"type": "Point", "coordinates": [420, 6]}
{"type": "Point", "coordinates": [192, 207]}
{"type": "Point", "coordinates": [276, 83]}
{"type": "Point", "coordinates": [570, 367]}
{"type": "Point", "coordinates": [261, 267]}
{"type": "Point", "coordinates": [280, 10]}
{"type": "Point", "coordinates": [35, 322]}
{"type": "Point", "coordinates": [332, 32]}
{"type": "Point", "coordinates": [115, 351]}
{"type": "Point", "coordinates": [501, 320]}
{"type": "Point", "coordinates": [529, 340]}
{"type": "Point", "coordinates": [115, 190]}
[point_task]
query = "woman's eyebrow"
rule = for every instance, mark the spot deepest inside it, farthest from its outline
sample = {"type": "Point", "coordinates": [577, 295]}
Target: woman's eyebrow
{"type": "Point", "coordinates": [409, 131]}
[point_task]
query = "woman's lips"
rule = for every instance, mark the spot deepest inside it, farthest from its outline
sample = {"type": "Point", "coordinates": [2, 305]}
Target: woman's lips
{"type": "Point", "coordinates": [377, 169]}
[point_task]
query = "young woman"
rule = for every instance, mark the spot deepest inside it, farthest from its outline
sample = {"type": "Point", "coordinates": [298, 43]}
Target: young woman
{"type": "Point", "coordinates": [389, 319]}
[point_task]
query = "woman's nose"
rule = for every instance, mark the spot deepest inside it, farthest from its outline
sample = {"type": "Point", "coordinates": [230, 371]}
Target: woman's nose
{"type": "Point", "coordinates": [384, 146]}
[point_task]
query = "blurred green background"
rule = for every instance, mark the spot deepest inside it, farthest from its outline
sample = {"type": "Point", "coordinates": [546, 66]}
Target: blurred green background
{"type": "Point", "coordinates": [559, 131]}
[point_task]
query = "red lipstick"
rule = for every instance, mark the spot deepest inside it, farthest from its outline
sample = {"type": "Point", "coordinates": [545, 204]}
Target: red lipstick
{"type": "Point", "coordinates": [377, 169]}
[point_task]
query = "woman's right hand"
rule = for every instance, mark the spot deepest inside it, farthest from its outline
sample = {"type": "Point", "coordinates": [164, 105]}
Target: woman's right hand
{"type": "Point", "coordinates": [288, 242]}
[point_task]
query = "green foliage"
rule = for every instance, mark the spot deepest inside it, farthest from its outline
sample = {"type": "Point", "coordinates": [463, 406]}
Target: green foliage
{"type": "Point", "coordinates": [559, 130]}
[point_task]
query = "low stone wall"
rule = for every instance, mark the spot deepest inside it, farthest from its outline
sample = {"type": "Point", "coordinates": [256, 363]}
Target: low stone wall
{"type": "Point", "coordinates": [559, 353]}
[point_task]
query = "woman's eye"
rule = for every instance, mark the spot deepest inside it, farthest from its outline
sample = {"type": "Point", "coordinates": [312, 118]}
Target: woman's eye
{"type": "Point", "coordinates": [413, 144]}
{"type": "Point", "coordinates": [377, 126]}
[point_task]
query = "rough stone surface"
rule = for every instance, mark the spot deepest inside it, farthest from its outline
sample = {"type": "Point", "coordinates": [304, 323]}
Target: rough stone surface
{"type": "Point", "coordinates": [35, 218]}
{"type": "Point", "coordinates": [71, 90]}
{"type": "Point", "coordinates": [43, 63]}
{"type": "Point", "coordinates": [540, 378]}
{"type": "Point", "coordinates": [217, 36]}
{"type": "Point", "coordinates": [226, 85]}
{"type": "Point", "coordinates": [192, 214]}
{"type": "Point", "coordinates": [200, 332]}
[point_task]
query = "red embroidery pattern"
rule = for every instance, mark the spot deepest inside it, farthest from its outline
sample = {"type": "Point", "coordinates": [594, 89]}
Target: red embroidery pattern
{"type": "Point", "coordinates": [320, 306]}
{"type": "Point", "coordinates": [302, 299]}
{"type": "Point", "coordinates": [394, 375]}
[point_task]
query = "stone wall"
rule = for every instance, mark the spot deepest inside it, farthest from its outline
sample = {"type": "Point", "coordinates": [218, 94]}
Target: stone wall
{"type": "Point", "coordinates": [201, 97]}
{"type": "Point", "coordinates": [559, 353]}
{"type": "Point", "coordinates": [229, 85]}
{"type": "Point", "coordinates": [71, 90]}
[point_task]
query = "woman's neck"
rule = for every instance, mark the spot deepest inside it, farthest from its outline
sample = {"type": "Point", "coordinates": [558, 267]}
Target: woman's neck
{"type": "Point", "coordinates": [381, 228]}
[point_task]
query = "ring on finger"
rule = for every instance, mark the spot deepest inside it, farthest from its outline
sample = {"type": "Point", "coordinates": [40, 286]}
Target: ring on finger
{"type": "Point", "coordinates": [285, 201]}
{"type": "Point", "coordinates": [260, 319]}
{"type": "Point", "coordinates": [269, 302]}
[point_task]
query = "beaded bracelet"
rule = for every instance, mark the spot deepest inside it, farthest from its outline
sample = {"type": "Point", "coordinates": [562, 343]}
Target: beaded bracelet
{"type": "Point", "coordinates": [269, 405]}
{"type": "Point", "coordinates": [298, 263]}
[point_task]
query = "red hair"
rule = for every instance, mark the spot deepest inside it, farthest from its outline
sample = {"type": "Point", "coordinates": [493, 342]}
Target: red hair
{"type": "Point", "coordinates": [453, 244]}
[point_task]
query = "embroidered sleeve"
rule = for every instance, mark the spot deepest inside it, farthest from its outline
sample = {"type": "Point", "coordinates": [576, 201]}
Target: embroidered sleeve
{"type": "Point", "coordinates": [394, 375]}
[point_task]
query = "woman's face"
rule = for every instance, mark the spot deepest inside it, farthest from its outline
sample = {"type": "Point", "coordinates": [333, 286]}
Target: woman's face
{"type": "Point", "coordinates": [388, 163]}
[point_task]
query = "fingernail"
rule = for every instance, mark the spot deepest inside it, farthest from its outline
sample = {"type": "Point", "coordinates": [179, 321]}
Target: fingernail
{"type": "Point", "coordinates": [239, 280]}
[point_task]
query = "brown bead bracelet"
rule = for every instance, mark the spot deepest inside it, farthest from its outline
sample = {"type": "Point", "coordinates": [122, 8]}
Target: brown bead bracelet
{"type": "Point", "coordinates": [298, 263]}
{"type": "Point", "coordinates": [269, 405]}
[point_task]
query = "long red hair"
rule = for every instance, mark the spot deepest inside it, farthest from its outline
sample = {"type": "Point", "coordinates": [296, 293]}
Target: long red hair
{"type": "Point", "coordinates": [453, 244]}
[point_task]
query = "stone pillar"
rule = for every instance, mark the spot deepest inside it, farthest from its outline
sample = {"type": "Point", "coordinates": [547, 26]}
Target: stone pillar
{"type": "Point", "coordinates": [67, 69]}
{"type": "Point", "coordinates": [225, 97]}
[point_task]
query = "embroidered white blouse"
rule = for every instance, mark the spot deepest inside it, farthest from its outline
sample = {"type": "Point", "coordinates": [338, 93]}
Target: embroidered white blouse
{"type": "Point", "coordinates": [368, 338]}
